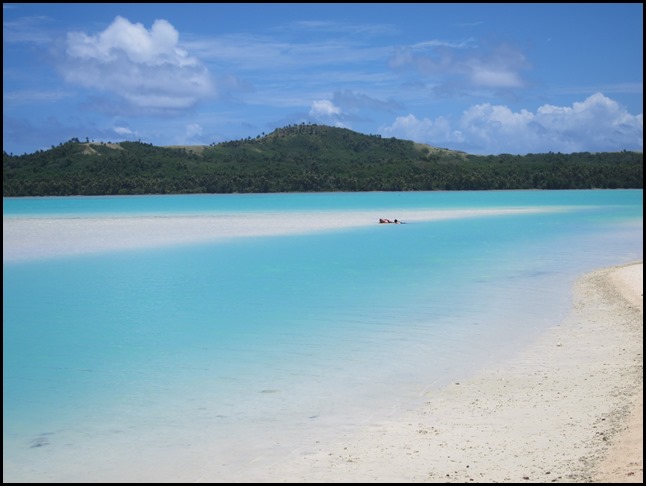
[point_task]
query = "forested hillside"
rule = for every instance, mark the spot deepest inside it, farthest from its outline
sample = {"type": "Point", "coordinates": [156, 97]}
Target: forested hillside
{"type": "Point", "coordinates": [303, 158]}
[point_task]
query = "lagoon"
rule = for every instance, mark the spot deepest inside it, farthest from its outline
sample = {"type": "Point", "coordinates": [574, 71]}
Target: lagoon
{"type": "Point", "coordinates": [176, 338]}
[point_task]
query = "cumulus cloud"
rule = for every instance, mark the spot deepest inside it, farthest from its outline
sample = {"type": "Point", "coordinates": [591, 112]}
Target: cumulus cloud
{"type": "Point", "coordinates": [147, 68]}
{"type": "Point", "coordinates": [596, 124]}
{"type": "Point", "coordinates": [324, 109]}
{"type": "Point", "coordinates": [409, 127]}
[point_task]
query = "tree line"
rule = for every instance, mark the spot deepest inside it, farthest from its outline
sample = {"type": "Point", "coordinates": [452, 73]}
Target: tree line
{"type": "Point", "coordinates": [304, 158]}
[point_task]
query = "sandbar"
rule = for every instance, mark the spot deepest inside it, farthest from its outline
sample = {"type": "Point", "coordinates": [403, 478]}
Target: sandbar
{"type": "Point", "coordinates": [29, 238]}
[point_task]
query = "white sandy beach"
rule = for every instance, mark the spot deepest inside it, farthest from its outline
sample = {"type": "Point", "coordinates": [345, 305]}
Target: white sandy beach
{"type": "Point", "coordinates": [567, 409]}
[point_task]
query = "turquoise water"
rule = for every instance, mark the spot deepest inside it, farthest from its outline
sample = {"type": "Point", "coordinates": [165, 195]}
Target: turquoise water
{"type": "Point", "coordinates": [234, 203]}
{"type": "Point", "coordinates": [213, 359]}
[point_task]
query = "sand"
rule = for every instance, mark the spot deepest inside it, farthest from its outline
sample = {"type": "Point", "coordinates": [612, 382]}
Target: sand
{"type": "Point", "coordinates": [566, 409]}
{"type": "Point", "coordinates": [36, 238]}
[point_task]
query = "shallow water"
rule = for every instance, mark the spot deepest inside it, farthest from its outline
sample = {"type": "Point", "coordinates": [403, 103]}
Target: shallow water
{"type": "Point", "coordinates": [215, 359]}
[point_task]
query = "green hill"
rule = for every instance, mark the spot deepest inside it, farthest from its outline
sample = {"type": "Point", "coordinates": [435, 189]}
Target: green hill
{"type": "Point", "coordinates": [303, 158]}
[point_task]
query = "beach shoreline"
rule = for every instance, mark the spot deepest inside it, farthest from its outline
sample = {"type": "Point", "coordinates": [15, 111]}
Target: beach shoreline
{"type": "Point", "coordinates": [567, 409]}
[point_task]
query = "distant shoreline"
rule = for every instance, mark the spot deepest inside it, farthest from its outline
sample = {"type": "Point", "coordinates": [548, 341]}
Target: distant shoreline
{"type": "Point", "coordinates": [305, 158]}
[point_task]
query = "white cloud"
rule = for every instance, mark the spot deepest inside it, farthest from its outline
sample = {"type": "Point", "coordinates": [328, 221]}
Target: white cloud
{"type": "Point", "coordinates": [498, 68]}
{"type": "Point", "coordinates": [141, 46]}
{"type": "Point", "coordinates": [464, 64]}
{"type": "Point", "coordinates": [487, 77]}
{"type": "Point", "coordinates": [595, 124]}
{"type": "Point", "coordinates": [145, 67]}
{"type": "Point", "coordinates": [323, 109]}
{"type": "Point", "coordinates": [125, 131]}
{"type": "Point", "coordinates": [409, 127]}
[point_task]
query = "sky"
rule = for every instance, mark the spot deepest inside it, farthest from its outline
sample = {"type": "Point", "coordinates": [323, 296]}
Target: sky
{"type": "Point", "coordinates": [481, 78]}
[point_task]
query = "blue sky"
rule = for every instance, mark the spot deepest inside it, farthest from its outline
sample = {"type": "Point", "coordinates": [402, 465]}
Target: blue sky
{"type": "Point", "coordinates": [483, 78]}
